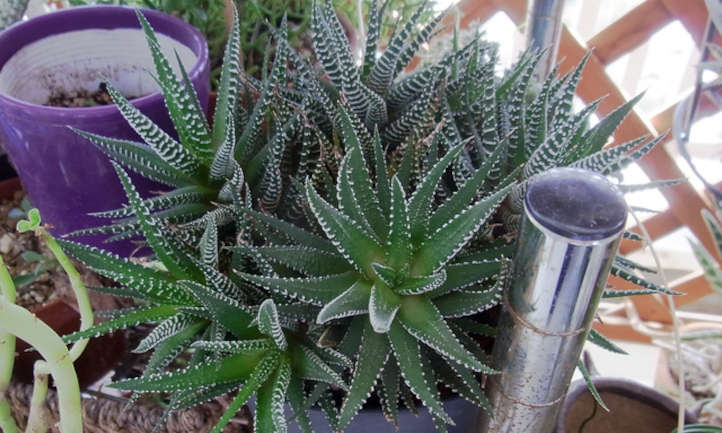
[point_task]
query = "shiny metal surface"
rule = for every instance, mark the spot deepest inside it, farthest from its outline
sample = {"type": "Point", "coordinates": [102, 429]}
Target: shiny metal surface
{"type": "Point", "coordinates": [556, 284]}
{"type": "Point", "coordinates": [544, 26]}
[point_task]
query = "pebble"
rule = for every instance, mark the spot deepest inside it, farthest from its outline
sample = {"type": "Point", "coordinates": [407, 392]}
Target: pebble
{"type": "Point", "coordinates": [6, 243]}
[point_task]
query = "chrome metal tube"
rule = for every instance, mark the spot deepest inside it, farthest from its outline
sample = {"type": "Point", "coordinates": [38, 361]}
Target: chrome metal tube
{"type": "Point", "coordinates": [544, 27]}
{"type": "Point", "coordinates": [569, 236]}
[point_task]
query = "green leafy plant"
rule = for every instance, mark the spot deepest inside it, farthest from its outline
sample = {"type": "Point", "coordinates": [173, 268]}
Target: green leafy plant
{"type": "Point", "coordinates": [414, 258]}
{"type": "Point", "coordinates": [346, 224]}
{"type": "Point", "coordinates": [391, 263]}
{"type": "Point", "coordinates": [509, 126]}
{"type": "Point", "coordinates": [42, 263]}
{"type": "Point", "coordinates": [207, 168]}
{"type": "Point", "coordinates": [206, 15]}
{"type": "Point", "coordinates": [11, 12]}
{"type": "Point", "coordinates": [57, 358]}
{"type": "Point", "coordinates": [237, 344]}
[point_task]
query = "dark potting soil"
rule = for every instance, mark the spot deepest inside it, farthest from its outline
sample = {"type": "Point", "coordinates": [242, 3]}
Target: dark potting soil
{"type": "Point", "coordinates": [39, 281]}
{"type": "Point", "coordinates": [12, 247]}
{"type": "Point", "coordinates": [81, 98]}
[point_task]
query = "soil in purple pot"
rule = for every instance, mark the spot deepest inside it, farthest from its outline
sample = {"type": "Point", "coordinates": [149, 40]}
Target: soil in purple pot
{"type": "Point", "coordinates": [82, 98]}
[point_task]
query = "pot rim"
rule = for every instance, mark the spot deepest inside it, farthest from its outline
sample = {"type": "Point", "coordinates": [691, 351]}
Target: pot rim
{"type": "Point", "coordinates": [625, 388]}
{"type": "Point", "coordinates": [95, 17]}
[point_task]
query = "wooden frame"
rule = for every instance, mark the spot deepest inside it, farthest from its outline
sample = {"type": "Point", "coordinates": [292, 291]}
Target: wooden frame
{"type": "Point", "coordinates": [616, 40]}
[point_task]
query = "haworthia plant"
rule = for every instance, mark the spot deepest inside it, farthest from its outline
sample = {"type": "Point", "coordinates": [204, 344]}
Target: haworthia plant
{"type": "Point", "coordinates": [236, 345]}
{"type": "Point", "coordinates": [208, 168]}
{"type": "Point", "coordinates": [395, 274]}
{"type": "Point", "coordinates": [341, 228]}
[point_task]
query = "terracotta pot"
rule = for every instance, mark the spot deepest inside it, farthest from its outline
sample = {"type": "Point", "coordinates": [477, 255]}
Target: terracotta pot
{"type": "Point", "coordinates": [99, 357]}
{"type": "Point", "coordinates": [633, 408]}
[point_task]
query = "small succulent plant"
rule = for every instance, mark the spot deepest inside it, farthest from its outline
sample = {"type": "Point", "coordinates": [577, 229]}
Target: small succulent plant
{"type": "Point", "coordinates": [207, 167]}
{"type": "Point", "coordinates": [253, 348]}
{"type": "Point", "coordinates": [512, 128]}
{"type": "Point", "coordinates": [393, 265]}
{"type": "Point", "coordinates": [373, 213]}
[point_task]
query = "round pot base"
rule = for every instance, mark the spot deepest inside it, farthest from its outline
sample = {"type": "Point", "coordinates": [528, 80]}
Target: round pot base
{"type": "Point", "coordinates": [632, 408]}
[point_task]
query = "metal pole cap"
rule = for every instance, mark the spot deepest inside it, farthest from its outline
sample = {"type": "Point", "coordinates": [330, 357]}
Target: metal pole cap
{"type": "Point", "coordinates": [577, 204]}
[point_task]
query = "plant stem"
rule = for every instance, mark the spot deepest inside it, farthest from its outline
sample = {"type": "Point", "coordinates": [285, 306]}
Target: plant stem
{"type": "Point", "coordinates": [81, 293]}
{"type": "Point", "coordinates": [23, 324]}
{"type": "Point", "coordinates": [38, 420]}
{"type": "Point", "coordinates": [7, 354]}
{"type": "Point", "coordinates": [7, 423]}
{"type": "Point", "coordinates": [675, 319]}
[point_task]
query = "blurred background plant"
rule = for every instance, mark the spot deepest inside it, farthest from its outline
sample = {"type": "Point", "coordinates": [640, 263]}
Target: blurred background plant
{"type": "Point", "coordinates": [701, 352]}
{"type": "Point", "coordinates": [206, 15]}
{"type": "Point", "coordinates": [258, 17]}
{"type": "Point", "coordinates": [12, 11]}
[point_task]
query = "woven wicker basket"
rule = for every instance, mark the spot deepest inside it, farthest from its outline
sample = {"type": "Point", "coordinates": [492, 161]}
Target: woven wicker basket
{"type": "Point", "coordinates": [105, 415]}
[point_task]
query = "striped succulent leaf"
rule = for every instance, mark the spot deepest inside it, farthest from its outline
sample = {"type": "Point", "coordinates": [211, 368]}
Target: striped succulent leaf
{"type": "Point", "coordinates": [386, 268]}
{"type": "Point", "coordinates": [207, 167]}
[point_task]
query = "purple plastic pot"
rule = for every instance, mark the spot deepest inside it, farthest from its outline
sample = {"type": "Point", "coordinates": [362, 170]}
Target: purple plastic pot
{"type": "Point", "coordinates": [66, 176]}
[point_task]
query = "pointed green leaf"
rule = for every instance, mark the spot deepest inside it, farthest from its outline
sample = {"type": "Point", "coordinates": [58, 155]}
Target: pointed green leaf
{"type": "Point", "coordinates": [144, 283]}
{"type": "Point", "coordinates": [419, 285]}
{"type": "Point", "coordinates": [353, 302]}
{"type": "Point", "coordinates": [383, 305]}
{"type": "Point", "coordinates": [446, 242]}
{"type": "Point", "coordinates": [597, 137]}
{"type": "Point", "coordinates": [461, 304]}
{"type": "Point", "coordinates": [623, 274]}
{"type": "Point", "coordinates": [269, 324]}
{"type": "Point", "coordinates": [236, 346]}
{"type": "Point", "coordinates": [373, 352]}
{"type": "Point", "coordinates": [603, 342]}
{"type": "Point", "coordinates": [390, 391]}
{"type": "Point", "coordinates": [464, 382]}
{"type": "Point", "coordinates": [225, 310]}
{"type": "Point", "coordinates": [182, 103]}
{"type": "Point", "coordinates": [467, 273]}
{"type": "Point", "coordinates": [399, 244]}
{"type": "Point", "coordinates": [316, 291]}
{"type": "Point", "coordinates": [409, 358]}
{"type": "Point", "coordinates": [310, 366]}
{"type": "Point", "coordinates": [138, 157]}
{"type": "Point", "coordinates": [169, 150]}
{"type": "Point", "coordinates": [590, 385]}
{"type": "Point", "coordinates": [293, 232]}
{"type": "Point", "coordinates": [309, 261]}
{"type": "Point", "coordinates": [142, 315]}
{"type": "Point", "coordinates": [420, 202]}
{"type": "Point", "coordinates": [228, 84]}
{"type": "Point", "coordinates": [163, 331]}
{"type": "Point", "coordinates": [423, 320]}
{"type": "Point", "coordinates": [257, 378]}
{"type": "Point", "coordinates": [357, 246]}
{"type": "Point", "coordinates": [360, 177]}
{"type": "Point", "coordinates": [209, 244]}
{"type": "Point", "coordinates": [270, 417]}
{"type": "Point", "coordinates": [466, 193]}
{"type": "Point", "coordinates": [174, 259]}
{"type": "Point", "coordinates": [297, 400]}
{"type": "Point", "coordinates": [385, 273]}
